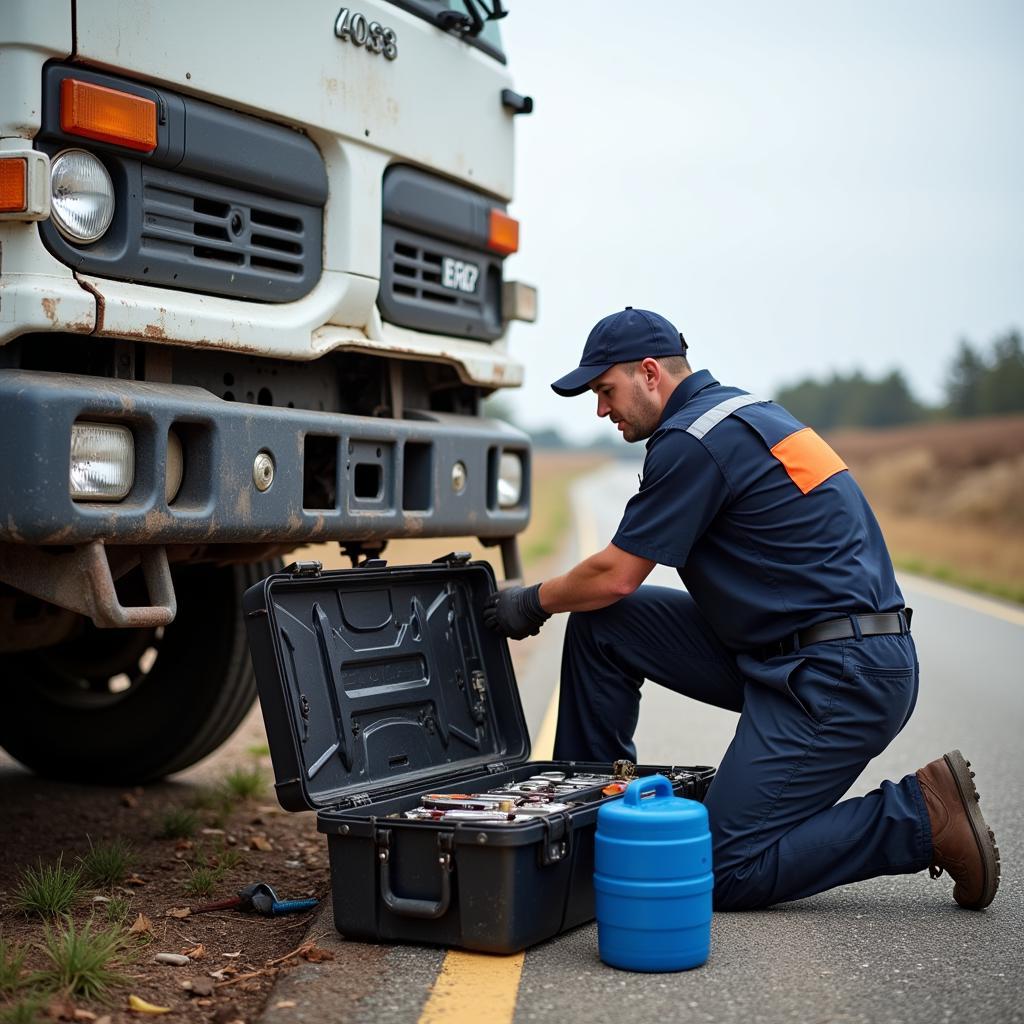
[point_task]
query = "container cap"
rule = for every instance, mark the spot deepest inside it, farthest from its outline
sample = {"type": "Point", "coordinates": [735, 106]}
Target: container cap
{"type": "Point", "coordinates": [649, 807]}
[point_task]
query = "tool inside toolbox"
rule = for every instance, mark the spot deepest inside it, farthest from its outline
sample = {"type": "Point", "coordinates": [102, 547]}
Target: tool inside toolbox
{"type": "Point", "coordinates": [518, 803]}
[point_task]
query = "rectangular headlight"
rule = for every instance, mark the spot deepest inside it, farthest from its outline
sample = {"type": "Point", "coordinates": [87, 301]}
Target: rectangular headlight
{"type": "Point", "coordinates": [510, 480]}
{"type": "Point", "coordinates": [102, 462]}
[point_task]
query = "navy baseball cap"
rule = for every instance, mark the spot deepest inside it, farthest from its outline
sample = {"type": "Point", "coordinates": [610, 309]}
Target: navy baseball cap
{"type": "Point", "coordinates": [623, 337]}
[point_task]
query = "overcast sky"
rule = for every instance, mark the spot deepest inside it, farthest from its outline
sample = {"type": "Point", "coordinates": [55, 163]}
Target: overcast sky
{"type": "Point", "coordinates": [800, 187]}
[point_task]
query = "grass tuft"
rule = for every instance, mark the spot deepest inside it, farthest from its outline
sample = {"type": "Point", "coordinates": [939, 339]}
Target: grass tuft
{"type": "Point", "coordinates": [48, 889]}
{"type": "Point", "coordinates": [27, 1011]}
{"type": "Point", "coordinates": [258, 750]}
{"type": "Point", "coordinates": [226, 858]}
{"type": "Point", "coordinates": [202, 880]}
{"type": "Point", "coordinates": [107, 863]}
{"type": "Point", "coordinates": [244, 784]}
{"type": "Point", "coordinates": [12, 960]}
{"type": "Point", "coordinates": [217, 804]}
{"type": "Point", "coordinates": [179, 823]}
{"type": "Point", "coordinates": [82, 959]}
{"type": "Point", "coordinates": [118, 910]}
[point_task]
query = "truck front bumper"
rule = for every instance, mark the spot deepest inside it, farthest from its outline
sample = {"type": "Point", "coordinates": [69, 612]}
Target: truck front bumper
{"type": "Point", "coordinates": [392, 478]}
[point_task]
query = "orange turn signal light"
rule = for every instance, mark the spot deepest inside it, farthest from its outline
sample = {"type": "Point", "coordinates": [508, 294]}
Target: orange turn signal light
{"type": "Point", "coordinates": [107, 115]}
{"type": "Point", "coordinates": [504, 237]}
{"type": "Point", "coordinates": [13, 173]}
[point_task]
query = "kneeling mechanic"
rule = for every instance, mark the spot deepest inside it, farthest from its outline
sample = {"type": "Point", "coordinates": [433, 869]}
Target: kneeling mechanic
{"type": "Point", "coordinates": [792, 617]}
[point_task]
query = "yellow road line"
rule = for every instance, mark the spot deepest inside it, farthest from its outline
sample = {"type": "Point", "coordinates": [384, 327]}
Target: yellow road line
{"type": "Point", "coordinates": [543, 748]}
{"type": "Point", "coordinates": [473, 987]}
{"type": "Point", "coordinates": [964, 599]}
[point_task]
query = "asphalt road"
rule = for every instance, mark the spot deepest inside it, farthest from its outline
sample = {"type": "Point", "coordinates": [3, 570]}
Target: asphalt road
{"type": "Point", "coordinates": [887, 950]}
{"type": "Point", "coordinates": [891, 949]}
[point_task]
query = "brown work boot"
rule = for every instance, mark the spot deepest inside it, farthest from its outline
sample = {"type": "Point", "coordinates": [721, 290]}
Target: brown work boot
{"type": "Point", "coordinates": [962, 843]}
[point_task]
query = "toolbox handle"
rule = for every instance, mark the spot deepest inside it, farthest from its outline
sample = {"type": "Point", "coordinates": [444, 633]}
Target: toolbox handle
{"type": "Point", "coordinates": [406, 906]}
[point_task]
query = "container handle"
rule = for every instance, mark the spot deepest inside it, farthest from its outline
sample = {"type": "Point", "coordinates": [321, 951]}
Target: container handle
{"type": "Point", "coordinates": [406, 906]}
{"type": "Point", "coordinates": [657, 784]}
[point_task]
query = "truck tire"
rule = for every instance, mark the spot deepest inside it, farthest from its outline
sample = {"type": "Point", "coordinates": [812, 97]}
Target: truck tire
{"type": "Point", "coordinates": [121, 706]}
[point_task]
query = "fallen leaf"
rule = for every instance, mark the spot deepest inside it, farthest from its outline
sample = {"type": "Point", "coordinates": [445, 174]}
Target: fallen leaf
{"type": "Point", "coordinates": [84, 1015]}
{"type": "Point", "coordinates": [129, 800]}
{"type": "Point", "coordinates": [284, 1004]}
{"type": "Point", "coordinates": [141, 1006]}
{"type": "Point", "coordinates": [316, 954]}
{"type": "Point", "coordinates": [212, 831]}
{"type": "Point", "coordinates": [184, 844]}
{"type": "Point", "coordinates": [179, 912]}
{"type": "Point", "coordinates": [196, 952]}
{"type": "Point", "coordinates": [232, 955]}
{"type": "Point", "coordinates": [101, 899]}
{"type": "Point", "coordinates": [142, 924]}
{"type": "Point", "coordinates": [260, 842]}
{"type": "Point", "coordinates": [219, 975]}
{"type": "Point", "coordinates": [134, 880]}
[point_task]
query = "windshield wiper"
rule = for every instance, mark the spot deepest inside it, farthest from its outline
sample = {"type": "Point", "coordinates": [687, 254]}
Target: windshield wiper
{"type": "Point", "coordinates": [471, 22]}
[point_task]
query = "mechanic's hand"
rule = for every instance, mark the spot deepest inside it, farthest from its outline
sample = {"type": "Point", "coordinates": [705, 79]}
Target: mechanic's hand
{"type": "Point", "coordinates": [515, 612]}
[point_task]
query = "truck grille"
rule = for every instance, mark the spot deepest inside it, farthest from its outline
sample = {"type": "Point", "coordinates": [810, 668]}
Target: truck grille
{"type": "Point", "coordinates": [213, 231]}
{"type": "Point", "coordinates": [226, 204]}
{"type": "Point", "coordinates": [414, 293]}
{"type": "Point", "coordinates": [437, 272]}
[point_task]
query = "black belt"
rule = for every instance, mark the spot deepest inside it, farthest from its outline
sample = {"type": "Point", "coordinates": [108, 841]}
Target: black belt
{"type": "Point", "coordinates": [871, 624]}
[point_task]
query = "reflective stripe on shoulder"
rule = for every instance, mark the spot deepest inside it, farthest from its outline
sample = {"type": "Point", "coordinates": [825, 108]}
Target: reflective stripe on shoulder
{"type": "Point", "coordinates": [702, 424]}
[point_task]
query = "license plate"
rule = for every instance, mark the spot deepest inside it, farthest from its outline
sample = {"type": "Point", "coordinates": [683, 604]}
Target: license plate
{"type": "Point", "coordinates": [459, 276]}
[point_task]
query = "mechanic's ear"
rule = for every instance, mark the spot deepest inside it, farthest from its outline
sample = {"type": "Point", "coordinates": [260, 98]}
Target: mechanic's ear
{"type": "Point", "coordinates": [652, 372]}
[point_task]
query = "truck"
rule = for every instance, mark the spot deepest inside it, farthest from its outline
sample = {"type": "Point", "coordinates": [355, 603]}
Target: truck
{"type": "Point", "coordinates": [252, 297]}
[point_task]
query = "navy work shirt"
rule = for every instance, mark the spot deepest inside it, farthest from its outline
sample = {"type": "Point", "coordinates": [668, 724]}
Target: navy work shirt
{"type": "Point", "coordinates": [763, 521]}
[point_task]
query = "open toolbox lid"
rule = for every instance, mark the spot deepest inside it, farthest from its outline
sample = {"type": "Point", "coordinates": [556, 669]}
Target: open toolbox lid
{"type": "Point", "coordinates": [375, 680]}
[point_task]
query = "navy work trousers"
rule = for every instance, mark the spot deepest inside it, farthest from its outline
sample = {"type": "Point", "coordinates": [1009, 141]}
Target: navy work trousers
{"type": "Point", "coordinates": [809, 723]}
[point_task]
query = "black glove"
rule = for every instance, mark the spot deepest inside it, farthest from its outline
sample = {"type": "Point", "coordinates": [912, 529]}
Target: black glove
{"type": "Point", "coordinates": [515, 612]}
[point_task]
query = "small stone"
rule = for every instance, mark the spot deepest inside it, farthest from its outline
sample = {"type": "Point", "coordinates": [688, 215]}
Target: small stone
{"type": "Point", "coordinates": [199, 986]}
{"type": "Point", "coordinates": [172, 959]}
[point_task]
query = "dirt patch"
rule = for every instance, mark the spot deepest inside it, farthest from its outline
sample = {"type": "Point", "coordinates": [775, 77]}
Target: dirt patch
{"type": "Point", "coordinates": [234, 957]}
{"type": "Point", "coordinates": [242, 955]}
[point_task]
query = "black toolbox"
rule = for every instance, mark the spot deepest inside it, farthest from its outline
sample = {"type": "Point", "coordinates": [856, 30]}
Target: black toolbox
{"type": "Point", "coordinates": [380, 684]}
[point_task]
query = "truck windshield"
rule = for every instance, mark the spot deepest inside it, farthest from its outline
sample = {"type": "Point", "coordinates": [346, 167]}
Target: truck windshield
{"type": "Point", "coordinates": [489, 37]}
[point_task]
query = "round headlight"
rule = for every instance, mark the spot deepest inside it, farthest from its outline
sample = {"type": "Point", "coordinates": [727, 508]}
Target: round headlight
{"type": "Point", "coordinates": [81, 195]}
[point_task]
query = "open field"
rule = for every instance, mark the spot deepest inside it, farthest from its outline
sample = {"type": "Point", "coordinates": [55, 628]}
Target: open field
{"type": "Point", "coordinates": [949, 496]}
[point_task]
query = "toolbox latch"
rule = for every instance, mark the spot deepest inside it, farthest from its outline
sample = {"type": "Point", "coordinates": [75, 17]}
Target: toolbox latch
{"type": "Point", "coordinates": [357, 800]}
{"type": "Point", "coordinates": [453, 558]}
{"type": "Point", "coordinates": [557, 842]}
{"type": "Point", "coordinates": [310, 568]}
{"type": "Point", "coordinates": [496, 768]}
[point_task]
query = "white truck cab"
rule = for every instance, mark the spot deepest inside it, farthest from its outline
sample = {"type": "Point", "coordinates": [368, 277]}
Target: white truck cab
{"type": "Point", "coordinates": [252, 295]}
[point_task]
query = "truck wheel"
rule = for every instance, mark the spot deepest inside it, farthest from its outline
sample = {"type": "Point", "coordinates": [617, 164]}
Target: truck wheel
{"type": "Point", "coordinates": [132, 705]}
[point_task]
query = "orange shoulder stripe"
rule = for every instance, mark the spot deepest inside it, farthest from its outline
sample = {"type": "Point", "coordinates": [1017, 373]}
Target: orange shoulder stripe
{"type": "Point", "coordinates": [807, 459]}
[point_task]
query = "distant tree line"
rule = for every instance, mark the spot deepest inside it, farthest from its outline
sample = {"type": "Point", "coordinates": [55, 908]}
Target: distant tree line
{"type": "Point", "coordinates": [977, 384]}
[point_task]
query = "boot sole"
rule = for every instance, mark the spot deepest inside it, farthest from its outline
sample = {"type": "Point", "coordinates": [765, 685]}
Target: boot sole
{"type": "Point", "coordinates": [983, 835]}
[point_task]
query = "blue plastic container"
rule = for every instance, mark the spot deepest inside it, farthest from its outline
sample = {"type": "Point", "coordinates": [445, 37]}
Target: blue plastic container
{"type": "Point", "coordinates": [653, 880]}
